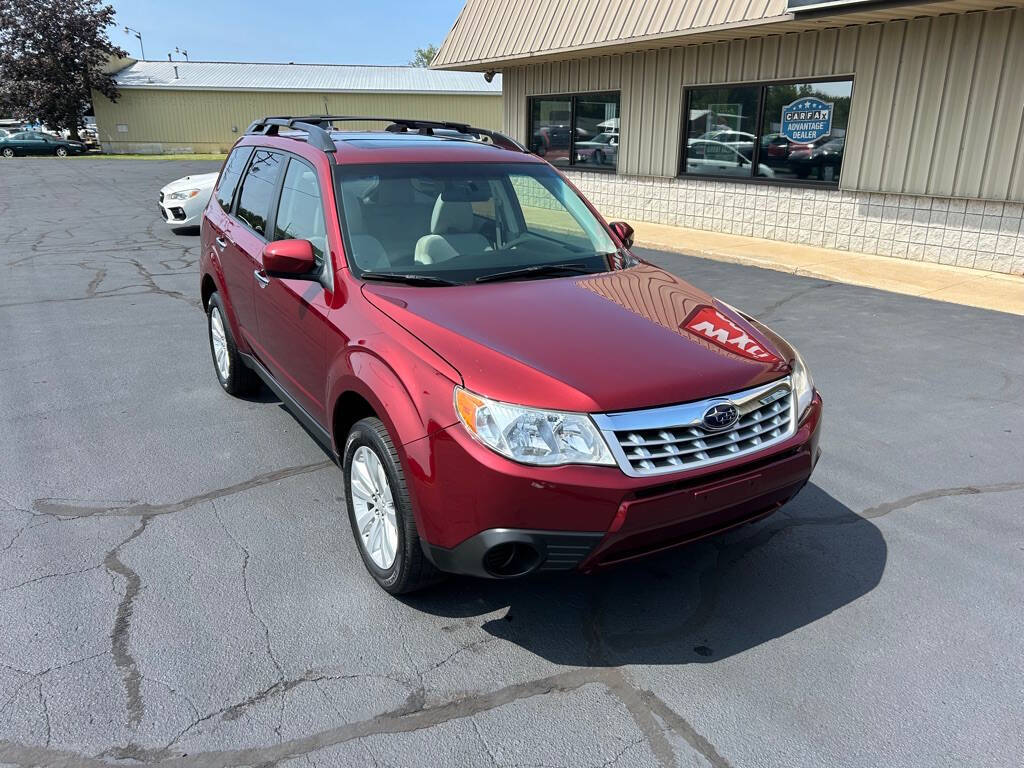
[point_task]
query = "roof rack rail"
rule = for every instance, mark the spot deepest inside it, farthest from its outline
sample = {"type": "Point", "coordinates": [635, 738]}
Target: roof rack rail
{"type": "Point", "coordinates": [317, 128]}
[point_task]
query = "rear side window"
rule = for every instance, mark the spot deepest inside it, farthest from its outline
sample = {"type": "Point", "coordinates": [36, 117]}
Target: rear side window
{"type": "Point", "coordinates": [230, 175]}
{"type": "Point", "coordinates": [258, 190]}
{"type": "Point", "coordinates": [300, 214]}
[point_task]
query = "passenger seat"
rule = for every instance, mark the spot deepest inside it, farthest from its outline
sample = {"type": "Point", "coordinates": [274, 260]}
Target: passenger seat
{"type": "Point", "coordinates": [452, 233]}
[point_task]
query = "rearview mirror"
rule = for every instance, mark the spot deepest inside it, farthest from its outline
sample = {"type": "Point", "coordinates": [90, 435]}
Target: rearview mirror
{"type": "Point", "coordinates": [289, 258]}
{"type": "Point", "coordinates": [624, 232]}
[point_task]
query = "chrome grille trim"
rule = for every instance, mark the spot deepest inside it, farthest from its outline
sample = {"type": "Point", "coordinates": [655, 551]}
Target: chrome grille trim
{"type": "Point", "coordinates": [656, 441]}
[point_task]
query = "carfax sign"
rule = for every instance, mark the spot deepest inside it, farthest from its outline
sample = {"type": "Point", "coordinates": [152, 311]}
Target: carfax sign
{"type": "Point", "coordinates": [807, 119]}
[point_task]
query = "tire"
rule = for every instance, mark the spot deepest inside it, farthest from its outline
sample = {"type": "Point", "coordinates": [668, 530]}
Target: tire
{"type": "Point", "coordinates": [8, 152]}
{"type": "Point", "coordinates": [61, 152]}
{"type": "Point", "coordinates": [233, 374]}
{"type": "Point", "coordinates": [409, 569]}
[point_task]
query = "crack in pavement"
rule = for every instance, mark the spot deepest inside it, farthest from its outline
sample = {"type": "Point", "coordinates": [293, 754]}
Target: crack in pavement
{"type": "Point", "coordinates": [939, 493]}
{"type": "Point", "coordinates": [59, 508]}
{"type": "Point", "coordinates": [412, 716]}
{"type": "Point", "coordinates": [120, 635]}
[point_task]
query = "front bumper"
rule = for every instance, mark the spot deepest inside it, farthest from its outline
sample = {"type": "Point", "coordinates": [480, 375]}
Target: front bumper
{"type": "Point", "coordinates": [180, 213]}
{"type": "Point", "coordinates": [481, 514]}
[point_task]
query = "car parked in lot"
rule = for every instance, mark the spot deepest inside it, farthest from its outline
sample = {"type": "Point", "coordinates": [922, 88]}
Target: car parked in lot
{"type": "Point", "coordinates": [506, 386]}
{"type": "Point", "coordinates": [37, 143]}
{"type": "Point", "coordinates": [821, 160]}
{"type": "Point", "coordinates": [601, 151]}
{"type": "Point", "coordinates": [183, 200]}
{"type": "Point", "coordinates": [718, 159]}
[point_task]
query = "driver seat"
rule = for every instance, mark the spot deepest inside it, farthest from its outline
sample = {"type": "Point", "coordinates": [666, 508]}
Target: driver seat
{"type": "Point", "coordinates": [452, 233]}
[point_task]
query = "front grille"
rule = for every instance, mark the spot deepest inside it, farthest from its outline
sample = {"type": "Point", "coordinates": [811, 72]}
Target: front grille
{"type": "Point", "coordinates": [660, 440]}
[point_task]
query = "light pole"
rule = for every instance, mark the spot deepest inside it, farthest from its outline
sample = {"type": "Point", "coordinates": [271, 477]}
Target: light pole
{"type": "Point", "coordinates": [129, 30]}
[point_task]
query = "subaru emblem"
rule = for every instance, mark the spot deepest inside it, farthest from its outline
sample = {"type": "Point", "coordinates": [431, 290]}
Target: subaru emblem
{"type": "Point", "coordinates": [720, 416]}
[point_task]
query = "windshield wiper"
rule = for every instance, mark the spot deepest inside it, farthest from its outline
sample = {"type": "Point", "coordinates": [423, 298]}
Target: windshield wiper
{"type": "Point", "coordinates": [537, 270]}
{"type": "Point", "coordinates": [408, 279]}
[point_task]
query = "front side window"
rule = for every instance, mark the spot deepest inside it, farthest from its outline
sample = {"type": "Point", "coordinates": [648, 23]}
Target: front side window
{"type": "Point", "coordinates": [578, 130]}
{"type": "Point", "coordinates": [779, 131]}
{"type": "Point", "coordinates": [464, 222]}
{"type": "Point", "coordinates": [229, 177]}
{"type": "Point", "coordinates": [258, 190]}
{"type": "Point", "coordinates": [300, 214]}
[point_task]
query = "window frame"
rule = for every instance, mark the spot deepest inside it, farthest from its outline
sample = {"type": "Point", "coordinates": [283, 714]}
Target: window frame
{"type": "Point", "coordinates": [326, 273]}
{"type": "Point", "coordinates": [572, 99]}
{"type": "Point", "coordinates": [274, 195]}
{"type": "Point", "coordinates": [755, 159]}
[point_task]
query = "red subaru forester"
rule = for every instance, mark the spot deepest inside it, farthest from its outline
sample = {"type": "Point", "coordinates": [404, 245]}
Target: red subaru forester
{"type": "Point", "coordinates": [506, 387]}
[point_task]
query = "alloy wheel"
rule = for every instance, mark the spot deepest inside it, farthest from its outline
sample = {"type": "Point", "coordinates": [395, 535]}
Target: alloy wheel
{"type": "Point", "coordinates": [374, 505]}
{"type": "Point", "coordinates": [220, 344]}
{"type": "Point", "coordinates": [61, 152]}
{"type": "Point", "coordinates": [8, 152]}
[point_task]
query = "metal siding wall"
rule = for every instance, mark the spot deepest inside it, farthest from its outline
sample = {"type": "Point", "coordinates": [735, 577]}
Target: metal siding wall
{"type": "Point", "coordinates": [938, 102]}
{"type": "Point", "coordinates": [186, 118]}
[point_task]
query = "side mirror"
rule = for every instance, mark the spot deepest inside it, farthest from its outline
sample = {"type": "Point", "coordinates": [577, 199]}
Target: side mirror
{"type": "Point", "coordinates": [288, 258]}
{"type": "Point", "coordinates": [624, 232]}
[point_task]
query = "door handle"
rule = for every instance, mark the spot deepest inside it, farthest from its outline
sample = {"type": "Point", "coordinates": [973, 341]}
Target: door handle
{"type": "Point", "coordinates": [222, 242]}
{"type": "Point", "coordinates": [261, 278]}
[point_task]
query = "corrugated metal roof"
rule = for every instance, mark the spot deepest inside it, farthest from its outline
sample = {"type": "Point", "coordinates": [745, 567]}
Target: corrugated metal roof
{"type": "Point", "coordinates": [501, 32]}
{"type": "Point", "coordinates": [322, 78]}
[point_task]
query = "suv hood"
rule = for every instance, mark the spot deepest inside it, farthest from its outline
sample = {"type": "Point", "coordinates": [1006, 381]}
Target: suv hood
{"type": "Point", "coordinates": [633, 338]}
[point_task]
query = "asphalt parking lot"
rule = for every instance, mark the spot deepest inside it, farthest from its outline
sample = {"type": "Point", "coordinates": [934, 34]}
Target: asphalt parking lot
{"type": "Point", "coordinates": [178, 585]}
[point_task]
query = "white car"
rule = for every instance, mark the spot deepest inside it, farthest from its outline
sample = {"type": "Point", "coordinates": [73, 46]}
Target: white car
{"type": "Point", "coordinates": [717, 159]}
{"type": "Point", "coordinates": [182, 202]}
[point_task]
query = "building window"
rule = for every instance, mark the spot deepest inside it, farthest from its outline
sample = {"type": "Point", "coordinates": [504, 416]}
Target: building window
{"type": "Point", "coordinates": [793, 131]}
{"type": "Point", "coordinates": [579, 130]}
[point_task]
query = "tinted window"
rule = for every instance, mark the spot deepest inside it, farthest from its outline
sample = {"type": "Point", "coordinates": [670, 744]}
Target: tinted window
{"type": "Point", "coordinates": [580, 130]}
{"type": "Point", "coordinates": [800, 152]}
{"type": "Point", "coordinates": [258, 189]}
{"type": "Point", "coordinates": [300, 214]}
{"type": "Point", "coordinates": [230, 175]}
{"type": "Point", "coordinates": [724, 118]}
{"type": "Point", "coordinates": [772, 130]}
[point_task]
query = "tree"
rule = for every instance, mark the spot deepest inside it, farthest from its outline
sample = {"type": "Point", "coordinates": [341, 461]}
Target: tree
{"type": "Point", "coordinates": [423, 56]}
{"type": "Point", "coordinates": [52, 54]}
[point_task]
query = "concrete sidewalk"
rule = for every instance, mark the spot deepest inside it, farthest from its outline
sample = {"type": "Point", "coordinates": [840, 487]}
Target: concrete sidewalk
{"type": "Point", "coordinates": [973, 288]}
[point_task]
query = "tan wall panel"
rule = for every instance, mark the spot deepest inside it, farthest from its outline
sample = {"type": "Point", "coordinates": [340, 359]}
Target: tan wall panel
{"type": "Point", "coordinates": [218, 118]}
{"type": "Point", "coordinates": [938, 102]}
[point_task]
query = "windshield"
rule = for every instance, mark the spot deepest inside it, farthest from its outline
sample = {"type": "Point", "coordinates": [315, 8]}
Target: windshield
{"type": "Point", "coordinates": [460, 222]}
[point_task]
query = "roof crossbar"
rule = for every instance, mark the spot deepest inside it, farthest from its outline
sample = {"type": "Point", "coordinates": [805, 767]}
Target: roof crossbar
{"type": "Point", "coordinates": [318, 127]}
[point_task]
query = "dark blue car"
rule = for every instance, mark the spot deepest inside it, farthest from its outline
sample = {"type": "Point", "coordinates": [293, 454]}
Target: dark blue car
{"type": "Point", "coordinates": [36, 143]}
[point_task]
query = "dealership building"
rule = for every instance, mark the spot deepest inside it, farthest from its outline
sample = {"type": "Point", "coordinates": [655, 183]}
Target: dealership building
{"type": "Point", "coordinates": [203, 106]}
{"type": "Point", "coordinates": [891, 128]}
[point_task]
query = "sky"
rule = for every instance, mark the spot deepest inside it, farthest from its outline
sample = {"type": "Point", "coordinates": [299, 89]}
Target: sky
{"type": "Point", "coordinates": [332, 32]}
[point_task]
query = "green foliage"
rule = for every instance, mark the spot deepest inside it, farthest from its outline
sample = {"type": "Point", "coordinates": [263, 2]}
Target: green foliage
{"type": "Point", "coordinates": [52, 54]}
{"type": "Point", "coordinates": [423, 56]}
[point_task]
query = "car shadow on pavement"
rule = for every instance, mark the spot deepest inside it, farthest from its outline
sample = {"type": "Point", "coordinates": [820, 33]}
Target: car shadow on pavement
{"type": "Point", "coordinates": [699, 603]}
{"type": "Point", "coordinates": [185, 231]}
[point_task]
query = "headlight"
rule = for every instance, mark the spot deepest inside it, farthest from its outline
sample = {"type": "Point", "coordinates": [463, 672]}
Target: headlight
{"type": "Point", "coordinates": [184, 194]}
{"type": "Point", "coordinates": [803, 384]}
{"type": "Point", "coordinates": [532, 436]}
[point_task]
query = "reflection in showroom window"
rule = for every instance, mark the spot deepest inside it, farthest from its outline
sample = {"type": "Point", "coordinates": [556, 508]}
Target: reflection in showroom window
{"type": "Point", "coordinates": [780, 131]}
{"type": "Point", "coordinates": [580, 130]}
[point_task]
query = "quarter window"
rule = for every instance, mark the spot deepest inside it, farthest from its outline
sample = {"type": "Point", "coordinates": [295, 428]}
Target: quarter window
{"type": "Point", "coordinates": [578, 130]}
{"type": "Point", "coordinates": [300, 214]}
{"type": "Point", "coordinates": [778, 131]}
{"type": "Point", "coordinates": [258, 190]}
{"type": "Point", "coordinates": [230, 175]}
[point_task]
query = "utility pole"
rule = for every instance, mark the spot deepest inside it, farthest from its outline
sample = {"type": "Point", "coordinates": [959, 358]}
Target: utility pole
{"type": "Point", "coordinates": [136, 33]}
